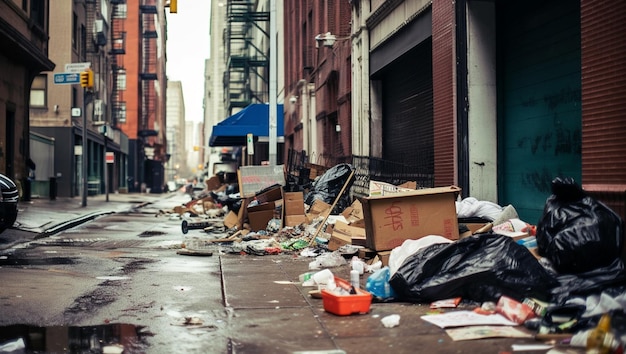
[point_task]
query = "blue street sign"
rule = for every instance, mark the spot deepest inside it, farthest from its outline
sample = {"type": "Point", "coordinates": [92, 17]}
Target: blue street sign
{"type": "Point", "coordinates": [67, 78]}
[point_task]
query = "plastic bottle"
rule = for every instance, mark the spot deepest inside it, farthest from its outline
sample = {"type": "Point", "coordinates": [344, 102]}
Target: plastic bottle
{"type": "Point", "coordinates": [378, 284]}
{"type": "Point", "coordinates": [601, 340]}
{"type": "Point", "coordinates": [355, 279]}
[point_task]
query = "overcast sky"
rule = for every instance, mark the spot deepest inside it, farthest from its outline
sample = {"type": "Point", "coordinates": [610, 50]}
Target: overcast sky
{"type": "Point", "coordinates": [187, 48]}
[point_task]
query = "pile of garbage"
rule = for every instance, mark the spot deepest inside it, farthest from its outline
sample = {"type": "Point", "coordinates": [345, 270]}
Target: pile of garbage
{"type": "Point", "coordinates": [559, 277]}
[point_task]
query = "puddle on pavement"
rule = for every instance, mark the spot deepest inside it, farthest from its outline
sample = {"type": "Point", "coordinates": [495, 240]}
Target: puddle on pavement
{"type": "Point", "coordinates": [109, 338]}
{"type": "Point", "coordinates": [10, 261]}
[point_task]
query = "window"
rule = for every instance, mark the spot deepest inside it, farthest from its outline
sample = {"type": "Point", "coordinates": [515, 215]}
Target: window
{"type": "Point", "coordinates": [74, 96]}
{"type": "Point", "coordinates": [120, 113]}
{"type": "Point", "coordinates": [75, 33]}
{"type": "Point", "coordinates": [38, 91]}
{"type": "Point", "coordinates": [83, 42]}
{"type": "Point", "coordinates": [121, 80]}
{"type": "Point", "coordinates": [38, 12]}
{"type": "Point", "coordinates": [119, 11]}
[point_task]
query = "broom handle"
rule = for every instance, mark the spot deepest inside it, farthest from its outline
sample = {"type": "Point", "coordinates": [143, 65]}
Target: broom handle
{"type": "Point", "coordinates": [332, 207]}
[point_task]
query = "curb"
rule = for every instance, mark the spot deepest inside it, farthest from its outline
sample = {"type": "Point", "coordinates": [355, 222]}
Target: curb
{"type": "Point", "coordinates": [71, 223]}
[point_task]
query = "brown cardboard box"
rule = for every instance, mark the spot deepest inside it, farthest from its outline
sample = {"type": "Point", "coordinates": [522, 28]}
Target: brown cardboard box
{"type": "Point", "coordinates": [212, 183]}
{"type": "Point", "coordinates": [294, 220]}
{"type": "Point", "coordinates": [392, 219]}
{"type": "Point", "coordinates": [354, 212]}
{"type": "Point", "coordinates": [270, 195]}
{"type": "Point", "coordinates": [384, 257]}
{"type": "Point", "coordinates": [337, 240]}
{"type": "Point", "coordinates": [356, 234]}
{"type": "Point", "coordinates": [294, 207]}
{"type": "Point", "coordinates": [318, 207]}
{"type": "Point", "coordinates": [231, 219]}
{"type": "Point", "coordinates": [260, 215]}
{"type": "Point", "coordinates": [344, 234]}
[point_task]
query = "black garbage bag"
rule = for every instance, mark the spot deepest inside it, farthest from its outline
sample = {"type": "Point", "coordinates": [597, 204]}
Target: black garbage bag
{"type": "Point", "coordinates": [589, 283]}
{"type": "Point", "coordinates": [576, 232]}
{"type": "Point", "coordinates": [479, 268]}
{"type": "Point", "coordinates": [329, 185]}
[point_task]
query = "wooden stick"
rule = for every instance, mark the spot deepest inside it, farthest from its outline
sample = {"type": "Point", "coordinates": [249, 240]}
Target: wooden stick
{"type": "Point", "coordinates": [332, 207]}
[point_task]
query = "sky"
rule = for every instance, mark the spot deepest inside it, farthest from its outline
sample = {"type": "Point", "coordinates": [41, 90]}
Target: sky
{"type": "Point", "coordinates": [187, 48]}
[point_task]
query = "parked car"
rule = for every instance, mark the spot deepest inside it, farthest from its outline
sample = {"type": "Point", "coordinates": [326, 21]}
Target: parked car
{"type": "Point", "coordinates": [9, 197]}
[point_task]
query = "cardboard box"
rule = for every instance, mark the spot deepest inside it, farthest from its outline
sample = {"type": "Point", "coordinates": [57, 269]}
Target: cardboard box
{"type": "Point", "coordinates": [392, 219]}
{"type": "Point", "coordinates": [294, 207]}
{"type": "Point", "coordinates": [270, 195]}
{"type": "Point", "coordinates": [354, 212]}
{"type": "Point", "coordinates": [260, 215]}
{"type": "Point", "coordinates": [337, 240]}
{"type": "Point", "coordinates": [382, 188]}
{"type": "Point", "coordinates": [384, 257]}
{"type": "Point", "coordinates": [294, 220]}
{"type": "Point", "coordinates": [356, 235]}
{"type": "Point", "coordinates": [212, 183]}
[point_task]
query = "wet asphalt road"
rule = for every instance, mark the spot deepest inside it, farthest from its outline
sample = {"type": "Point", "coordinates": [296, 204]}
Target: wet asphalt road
{"type": "Point", "coordinates": [119, 280]}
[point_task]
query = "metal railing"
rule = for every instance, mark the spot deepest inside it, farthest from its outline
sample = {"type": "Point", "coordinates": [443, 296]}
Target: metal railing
{"type": "Point", "coordinates": [303, 169]}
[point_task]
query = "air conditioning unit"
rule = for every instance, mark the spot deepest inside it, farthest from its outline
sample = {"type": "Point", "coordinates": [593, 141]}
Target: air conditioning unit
{"type": "Point", "coordinates": [99, 108]}
{"type": "Point", "coordinates": [99, 33]}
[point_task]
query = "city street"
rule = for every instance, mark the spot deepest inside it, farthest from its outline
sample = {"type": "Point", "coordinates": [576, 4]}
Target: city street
{"type": "Point", "coordinates": [118, 280]}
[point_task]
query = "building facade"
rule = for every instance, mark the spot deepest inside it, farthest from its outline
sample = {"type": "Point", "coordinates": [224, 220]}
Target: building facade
{"type": "Point", "coordinates": [496, 97]}
{"type": "Point", "coordinates": [78, 119]}
{"type": "Point", "coordinates": [176, 166]}
{"type": "Point", "coordinates": [318, 78]}
{"type": "Point", "coordinates": [142, 102]}
{"type": "Point", "coordinates": [24, 49]}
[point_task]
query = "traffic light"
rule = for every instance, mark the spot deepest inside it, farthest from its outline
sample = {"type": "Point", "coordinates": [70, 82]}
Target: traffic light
{"type": "Point", "coordinates": [86, 78]}
{"type": "Point", "coordinates": [173, 6]}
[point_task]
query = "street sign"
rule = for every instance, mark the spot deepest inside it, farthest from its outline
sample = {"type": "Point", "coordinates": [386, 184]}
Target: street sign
{"type": "Point", "coordinates": [77, 67]}
{"type": "Point", "coordinates": [66, 78]}
{"type": "Point", "coordinates": [110, 157]}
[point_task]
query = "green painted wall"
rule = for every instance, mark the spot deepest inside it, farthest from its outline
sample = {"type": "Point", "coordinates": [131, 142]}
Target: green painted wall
{"type": "Point", "coordinates": [539, 111]}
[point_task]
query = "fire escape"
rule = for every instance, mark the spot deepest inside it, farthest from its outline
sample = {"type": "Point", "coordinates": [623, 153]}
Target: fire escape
{"type": "Point", "coordinates": [118, 49]}
{"type": "Point", "coordinates": [153, 148]}
{"type": "Point", "coordinates": [148, 74]}
{"type": "Point", "coordinates": [247, 63]}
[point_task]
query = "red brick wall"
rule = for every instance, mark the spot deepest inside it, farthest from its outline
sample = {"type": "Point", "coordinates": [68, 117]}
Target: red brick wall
{"type": "Point", "coordinates": [603, 45]}
{"type": "Point", "coordinates": [444, 92]}
{"type": "Point", "coordinates": [603, 52]}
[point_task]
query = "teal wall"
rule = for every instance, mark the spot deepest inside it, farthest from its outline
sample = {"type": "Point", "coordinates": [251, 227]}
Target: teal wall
{"type": "Point", "coordinates": [539, 96]}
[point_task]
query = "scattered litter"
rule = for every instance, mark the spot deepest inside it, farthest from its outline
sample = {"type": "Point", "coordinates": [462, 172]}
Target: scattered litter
{"type": "Point", "coordinates": [479, 332]}
{"type": "Point", "coordinates": [189, 321]}
{"type": "Point", "coordinates": [390, 321]}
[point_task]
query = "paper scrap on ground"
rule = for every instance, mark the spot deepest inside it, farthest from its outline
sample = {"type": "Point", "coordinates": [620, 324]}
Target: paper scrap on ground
{"type": "Point", "coordinates": [478, 332]}
{"type": "Point", "coordinates": [466, 318]}
{"type": "Point", "coordinates": [530, 347]}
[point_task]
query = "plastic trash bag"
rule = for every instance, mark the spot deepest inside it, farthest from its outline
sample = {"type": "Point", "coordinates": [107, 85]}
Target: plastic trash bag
{"type": "Point", "coordinates": [479, 268]}
{"type": "Point", "coordinates": [328, 186]}
{"type": "Point", "coordinates": [378, 285]}
{"type": "Point", "coordinates": [576, 232]}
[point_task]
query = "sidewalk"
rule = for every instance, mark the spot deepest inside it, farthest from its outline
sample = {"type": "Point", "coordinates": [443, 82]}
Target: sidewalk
{"type": "Point", "coordinates": [42, 217]}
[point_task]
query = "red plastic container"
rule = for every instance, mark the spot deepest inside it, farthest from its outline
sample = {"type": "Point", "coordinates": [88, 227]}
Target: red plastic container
{"type": "Point", "coordinates": [344, 305]}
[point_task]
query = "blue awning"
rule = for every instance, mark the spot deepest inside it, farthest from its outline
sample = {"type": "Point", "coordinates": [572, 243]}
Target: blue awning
{"type": "Point", "coordinates": [254, 119]}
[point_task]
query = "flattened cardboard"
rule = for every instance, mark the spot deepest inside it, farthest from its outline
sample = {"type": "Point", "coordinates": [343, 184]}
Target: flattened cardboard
{"type": "Point", "coordinates": [392, 219]}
